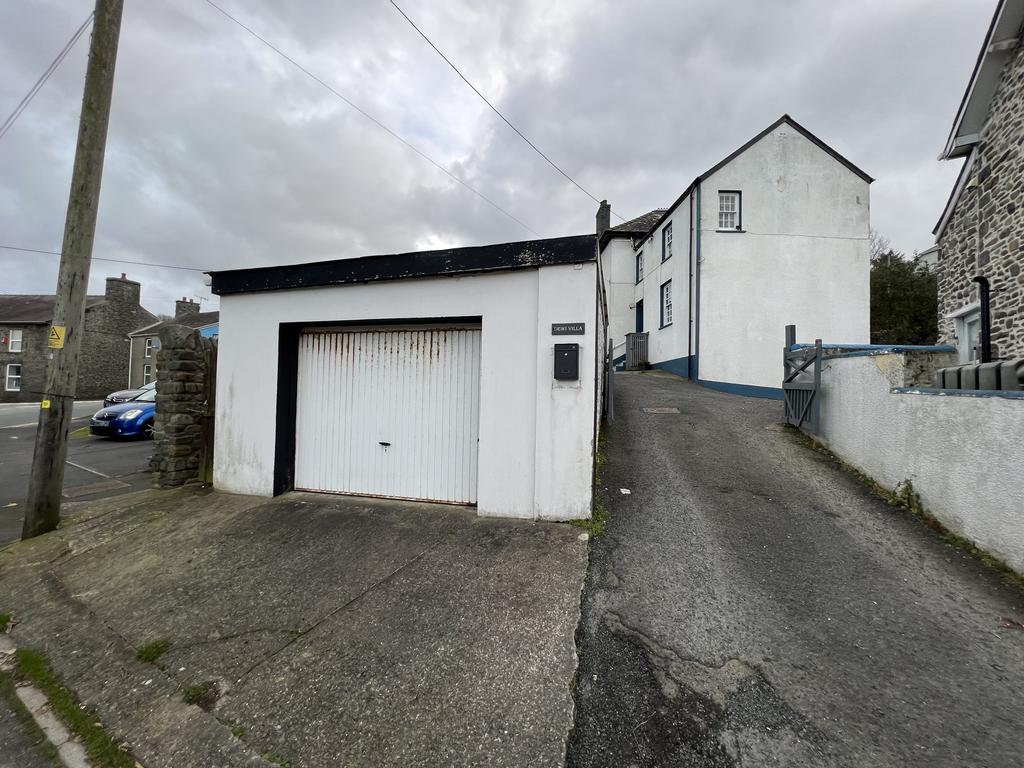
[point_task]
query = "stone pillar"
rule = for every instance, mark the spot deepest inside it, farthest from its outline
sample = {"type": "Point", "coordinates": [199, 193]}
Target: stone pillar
{"type": "Point", "coordinates": [182, 383]}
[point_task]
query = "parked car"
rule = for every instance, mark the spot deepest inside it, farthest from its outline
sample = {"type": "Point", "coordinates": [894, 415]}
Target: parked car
{"type": "Point", "coordinates": [131, 419]}
{"type": "Point", "coordinates": [124, 395]}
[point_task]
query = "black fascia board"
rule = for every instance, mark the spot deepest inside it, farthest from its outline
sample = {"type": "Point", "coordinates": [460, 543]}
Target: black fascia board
{"type": "Point", "coordinates": [525, 254]}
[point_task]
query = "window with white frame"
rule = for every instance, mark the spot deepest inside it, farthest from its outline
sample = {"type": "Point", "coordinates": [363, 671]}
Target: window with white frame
{"type": "Point", "coordinates": [730, 210]}
{"type": "Point", "coordinates": [15, 340]}
{"type": "Point", "coordinates": [666, 304]}
{"type": "Point", "coordinates": [12, 381]}
{"type": "Point", "coordinates": [666, 242]}
{"type": "Point", "coordinates": [639, 266]}
{"type": "Point", "coordinates": [149, 348]}
{"type": "Point", "coordinates": [147, 373]}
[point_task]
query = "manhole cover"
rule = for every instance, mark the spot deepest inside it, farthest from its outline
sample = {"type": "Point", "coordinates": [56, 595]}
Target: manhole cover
{"type": "Point", "coordinates": [661, 409]}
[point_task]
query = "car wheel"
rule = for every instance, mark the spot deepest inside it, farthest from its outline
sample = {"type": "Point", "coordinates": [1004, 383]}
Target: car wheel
{"type": "Point", "coordinates": [147, 430]}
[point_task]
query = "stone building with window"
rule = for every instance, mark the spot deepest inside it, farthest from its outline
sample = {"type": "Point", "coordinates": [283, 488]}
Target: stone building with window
{"type": "Point", "coordinates": [981, 230]}
{"type": "Point", "coordinates": [24, 327]}
{"type": "Point", "coordinates": [144, 342]}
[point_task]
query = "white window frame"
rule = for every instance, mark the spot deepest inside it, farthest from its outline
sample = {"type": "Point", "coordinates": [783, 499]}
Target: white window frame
{"type": "Point", "coordinates": [666, 304]}
{"type": "Point", "coordinates": [666, 242]}
{"type": "Point", "coordinates": [8, 376]}
{"type": "Point", "coordinates": [639, 266]}
{"type": "Point", "coordinates": [15, 344]}
{"type": "Point", "coordinates": [147, 373]}
{"type": "Point", "coordinates": [730, 204]}
{"type": "Point", "coordinates": [962, 319]}
{"type": "Point", "coordinates": [149, 347]}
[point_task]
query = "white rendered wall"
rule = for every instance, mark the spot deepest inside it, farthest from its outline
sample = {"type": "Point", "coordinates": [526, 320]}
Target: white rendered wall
{"type": "Point", "coordinates": [618, 263]}
{"type": "Point", "coordinates": [669, 342]}
{"type": "Point", "coordinates": [962, 454]}
{"type": "Point", "coordinates": [516, 365]}
{"type": "Point", "coordinates": [802, 259]}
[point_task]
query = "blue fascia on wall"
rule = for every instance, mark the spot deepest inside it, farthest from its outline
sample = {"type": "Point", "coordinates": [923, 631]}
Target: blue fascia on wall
{"type": "Point", "coordinates": [746, 390]}
{"type": "Point", "coordinates": [680, 366]}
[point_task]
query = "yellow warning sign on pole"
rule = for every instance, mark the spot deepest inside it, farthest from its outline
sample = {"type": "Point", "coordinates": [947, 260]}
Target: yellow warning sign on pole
{"type": "Point", "coordinates": [57, 333]}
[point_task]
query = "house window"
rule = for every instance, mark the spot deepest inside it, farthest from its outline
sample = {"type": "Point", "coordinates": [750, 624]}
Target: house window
{"type": "Point", "coordinates": [666, 304]}
{"type": "Point", "coordinates": [730, 211]}
{"type": "Point", "coordinates": [640, 266]}
{"type": "Point", "coordinates": [147, 373]}
{"type": "Point", "coordinates": [666, 242]}
{"type": "Point", "coordinates": [12, 381]}
{"type": "Point", "coordinates": [149, 347]}
{"type": "Point", "coordinates": [14, 340]}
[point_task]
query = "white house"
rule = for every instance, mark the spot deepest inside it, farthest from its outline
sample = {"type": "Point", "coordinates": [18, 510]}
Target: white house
{"type": "Point", "coordinates": [469, 376]}
{"type": "Point", "coordinates": [774, 234]}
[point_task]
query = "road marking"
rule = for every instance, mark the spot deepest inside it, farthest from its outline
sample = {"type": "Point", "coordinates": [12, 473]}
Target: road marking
{"type": "Point", "coordinates": [87, 469]}
{"type": "Point", "coordinates": [34, 423]}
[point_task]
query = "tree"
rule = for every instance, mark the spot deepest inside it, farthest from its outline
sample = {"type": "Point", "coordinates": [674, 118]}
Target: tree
{"type": "Point", "coordinates": [904, 298]}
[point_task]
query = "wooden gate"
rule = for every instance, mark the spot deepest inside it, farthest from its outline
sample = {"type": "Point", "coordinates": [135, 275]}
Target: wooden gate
{"type": "Point", "coordinates": [636, 352]}
{"type": "Point", "coordinates": [801, 383]}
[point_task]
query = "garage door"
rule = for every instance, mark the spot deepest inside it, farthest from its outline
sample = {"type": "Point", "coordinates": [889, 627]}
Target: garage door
{"type": "Point", "coordinates": [389, 413]}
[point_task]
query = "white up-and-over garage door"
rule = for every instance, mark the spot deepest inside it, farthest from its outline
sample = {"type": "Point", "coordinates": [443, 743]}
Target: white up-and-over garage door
{"type": "Point", "coordinates": [389, 413]}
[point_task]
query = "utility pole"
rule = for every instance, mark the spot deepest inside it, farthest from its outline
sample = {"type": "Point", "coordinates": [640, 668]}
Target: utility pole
{"type": "Point", "coordinates": [42, 511]}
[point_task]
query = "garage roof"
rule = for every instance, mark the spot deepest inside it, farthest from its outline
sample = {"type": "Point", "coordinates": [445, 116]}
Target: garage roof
{"type": "Point", "coordinates": [450, 261]}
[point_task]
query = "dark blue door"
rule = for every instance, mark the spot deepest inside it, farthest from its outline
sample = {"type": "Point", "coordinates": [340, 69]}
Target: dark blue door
{"type": "Point", "coordinates": [640, 316]}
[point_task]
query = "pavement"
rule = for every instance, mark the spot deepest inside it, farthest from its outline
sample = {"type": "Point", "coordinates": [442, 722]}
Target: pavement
{"type": "Point", "coordinates": [752, 604]}
{"type": "Point", "coordinates": [97, 467]}
{"type": "Point", "coordinates": [325, 630]}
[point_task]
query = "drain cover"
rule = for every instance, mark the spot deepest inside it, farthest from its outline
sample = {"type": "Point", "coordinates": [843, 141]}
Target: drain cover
{"type": "Point", "coordinates": [661, 409]}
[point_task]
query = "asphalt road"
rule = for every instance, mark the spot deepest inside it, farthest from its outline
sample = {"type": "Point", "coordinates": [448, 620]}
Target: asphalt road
{"type": "Point", "coordinates": [96, 467]}
{"type": "Point", "coordinates": [752, 604]}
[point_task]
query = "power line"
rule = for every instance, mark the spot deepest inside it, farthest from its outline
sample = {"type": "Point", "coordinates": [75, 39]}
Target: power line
{"type": "Point", "coordinates": [494, 109]}
{"type": "Point", "coordinates": [371, 118]}
{"type": "Point", "coordinates": [27, 99]}
{"type": "Point", "coordinates": [101, 258]}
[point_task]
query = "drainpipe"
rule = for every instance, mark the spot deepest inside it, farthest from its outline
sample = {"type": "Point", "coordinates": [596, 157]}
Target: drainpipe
{"type": "Point", "coordinates": [689, 303]}
{"type": "Point", "coordinates": [696, 314]}
{"type": "Point", "coordinates": [131, 344]}
{"type": "Point", "coordinates": [986, 320]}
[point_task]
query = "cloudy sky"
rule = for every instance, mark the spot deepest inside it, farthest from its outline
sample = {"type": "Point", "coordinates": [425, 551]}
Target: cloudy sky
{"type": "Point", "coordinates": [222, 154]}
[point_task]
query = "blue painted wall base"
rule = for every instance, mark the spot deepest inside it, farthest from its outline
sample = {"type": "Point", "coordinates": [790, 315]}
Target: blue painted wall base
{"type": "Point", "coordinates": [746, 390]}
{"type": "Point", "coordinates": [680, 366]}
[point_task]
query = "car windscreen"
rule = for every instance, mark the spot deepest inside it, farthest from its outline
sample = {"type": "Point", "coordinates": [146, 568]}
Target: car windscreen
{"type": "Point", "coordinates": [149, 396]}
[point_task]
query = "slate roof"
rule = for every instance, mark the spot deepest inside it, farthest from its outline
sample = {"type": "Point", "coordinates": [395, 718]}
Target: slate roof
{"type": "Point", "coordinates": [641, 224]}
{"type": "Point", "coordinates": [525, 254]}
{"type": "Point", "coordinates": [194, 320]}
{"type": "Point", "coordinates": [23, 308]}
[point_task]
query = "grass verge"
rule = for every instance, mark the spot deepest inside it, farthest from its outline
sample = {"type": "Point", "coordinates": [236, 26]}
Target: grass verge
{"type": "Point", "coordinates": [598, 521]}
{"type": "Point", "coordinates": [102, 750]}
{"type": "Point", "coordinates": [906, 498]}
{"type": "Point", "coordinates": [34, 733]}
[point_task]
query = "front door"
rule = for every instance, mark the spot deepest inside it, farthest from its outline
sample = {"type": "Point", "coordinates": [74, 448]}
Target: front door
{"type": "Point", "coordinates": [640, 316]}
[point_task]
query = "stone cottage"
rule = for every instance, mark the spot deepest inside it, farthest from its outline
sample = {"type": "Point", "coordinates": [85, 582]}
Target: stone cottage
{"type": "Point", "coordinates": [24, 326]}
{"type": "Point", "coordinates": [981, 229]}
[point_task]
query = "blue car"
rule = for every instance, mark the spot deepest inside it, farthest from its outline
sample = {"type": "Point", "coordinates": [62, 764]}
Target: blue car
{"type": "Point", "coordinates": [131, 419]}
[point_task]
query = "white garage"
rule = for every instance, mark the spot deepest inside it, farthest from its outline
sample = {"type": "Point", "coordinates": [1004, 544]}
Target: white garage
{"type": "Point", "coordinates": [468, 376]}
{"type": "Point", "coordinates": [389, 412]}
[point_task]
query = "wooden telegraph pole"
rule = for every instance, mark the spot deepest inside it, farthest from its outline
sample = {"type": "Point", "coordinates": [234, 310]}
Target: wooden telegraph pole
{"type": "Point", "coordinates": [42, 511]}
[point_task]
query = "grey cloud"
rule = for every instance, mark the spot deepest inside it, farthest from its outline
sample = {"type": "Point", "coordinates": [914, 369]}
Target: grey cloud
{"type": "Point", "coordinates": [221, 154]}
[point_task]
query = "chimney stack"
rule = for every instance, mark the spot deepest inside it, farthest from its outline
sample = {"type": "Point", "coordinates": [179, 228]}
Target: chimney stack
{"type": "Point", "coordinates": [122, 290]}
{"type": "Point", "coordinates": [604, 218]}
{"type": "Point", "coordinates": [184, 307]}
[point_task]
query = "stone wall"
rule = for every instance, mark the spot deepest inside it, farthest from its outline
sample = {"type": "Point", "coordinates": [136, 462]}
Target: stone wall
{"type": "Point", "coordinates": [32, 359]}
{"type": "Point", "coordinates": [182, 380]}
{"type": "Point", "coordinates": [985, 233]}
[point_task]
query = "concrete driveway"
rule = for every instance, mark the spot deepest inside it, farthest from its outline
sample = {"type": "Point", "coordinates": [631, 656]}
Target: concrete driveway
{"type": "Point", "coordinates": [328, 631]}
{"type": "Point", "coordinates": [752, 604]}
